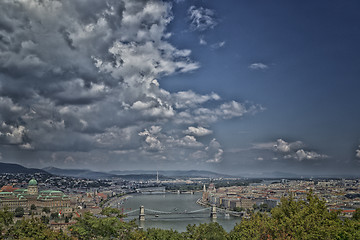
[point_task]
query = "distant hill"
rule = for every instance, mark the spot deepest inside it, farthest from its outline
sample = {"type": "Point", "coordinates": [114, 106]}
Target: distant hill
{"type": "Point", "coordinates": [79, 173]}
{"type": "Point", "coordinates": [132, 175]}
{"type": "Point", "coordinates": [173, 173]}
{"type": "Point", "coordinates": [16, 168]}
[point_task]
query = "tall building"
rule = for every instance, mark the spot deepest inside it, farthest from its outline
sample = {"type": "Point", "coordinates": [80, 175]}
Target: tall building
{"type": "Point", "coordinates": [205, 195]}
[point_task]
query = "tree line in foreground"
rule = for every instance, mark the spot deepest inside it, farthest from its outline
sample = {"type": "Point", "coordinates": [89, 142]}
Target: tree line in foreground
{"type": "Point", "coordinates": [292, 219]}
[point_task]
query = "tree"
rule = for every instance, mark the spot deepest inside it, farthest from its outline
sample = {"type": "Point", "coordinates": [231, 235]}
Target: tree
{"type": "Point", "coordinates": [302, 219]}
{"type": "Point", "coordinates": [54, 215]}
{"type": "Point", "coordinates": [356, 214]}
{"type": "Point", "coordinates": [161, 234]}
{"type": "Point", "coordinates": [32, 207]}
{"type": "Point", "coordinates": [112, 212]}
{"type": "Point", "coordinates": [6, 218]}
{"type": "Point", "coordinates": [33, 228]}
{"type": "Point", "coordinates": [264, 207]}
{"type": "Point", "coordinates": [206, 231]}
{"type": "Point", "coordinates": [19, 212]}
{"type": "Point", "coordinates": [45, 219]}
{"type": "Point", "coordinates": [90, 227]}
{"type": "Point", "coordinates": [46, 210]}
{"type": "Point", "coordinates": [238, 209]}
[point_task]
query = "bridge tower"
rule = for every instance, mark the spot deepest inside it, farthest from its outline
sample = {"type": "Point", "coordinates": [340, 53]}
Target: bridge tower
{"type": "Point", "coordinates": [213, 212]}
{"type": "Point", "coordinates": [142, 213]}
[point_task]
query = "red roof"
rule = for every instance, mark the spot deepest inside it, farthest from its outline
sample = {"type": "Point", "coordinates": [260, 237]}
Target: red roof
{"type": "Point", "coordinates": [8, 188]}
{"type": "Point", "coordinates": [102, 195]}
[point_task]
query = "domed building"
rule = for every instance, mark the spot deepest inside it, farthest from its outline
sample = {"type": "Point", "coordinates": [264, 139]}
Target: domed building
{"type": "Point", "coordinates": [55, 200]}
{"type": "Point", "coordinates": [32, 187]}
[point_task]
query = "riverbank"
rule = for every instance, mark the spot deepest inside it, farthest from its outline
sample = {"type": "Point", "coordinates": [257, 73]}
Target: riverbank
{"type": "Point", "coordinates": [223, 210]}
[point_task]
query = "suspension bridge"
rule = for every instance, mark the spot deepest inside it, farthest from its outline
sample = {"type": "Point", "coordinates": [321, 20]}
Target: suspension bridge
{"type": "Point", "coordinates": [199, 213]}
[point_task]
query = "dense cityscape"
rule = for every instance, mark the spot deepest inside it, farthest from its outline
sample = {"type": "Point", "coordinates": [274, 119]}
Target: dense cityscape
{"type": "Point", "coordinates": [60, 201]}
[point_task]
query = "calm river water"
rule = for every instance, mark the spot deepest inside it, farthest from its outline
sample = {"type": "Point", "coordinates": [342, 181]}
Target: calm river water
{"type": "Point", "coordinates": [178, 203]}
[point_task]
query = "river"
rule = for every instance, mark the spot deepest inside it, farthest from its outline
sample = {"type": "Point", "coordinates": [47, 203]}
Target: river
{"type": "Point", "coordinates": [179, 204]}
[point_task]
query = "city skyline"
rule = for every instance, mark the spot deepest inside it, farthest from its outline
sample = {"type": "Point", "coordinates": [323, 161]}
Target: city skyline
{"type": "Point", "coordinates": [245, 88]}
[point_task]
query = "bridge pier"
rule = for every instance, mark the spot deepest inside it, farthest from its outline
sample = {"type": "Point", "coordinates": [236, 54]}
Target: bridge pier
{"type": "Point", "coordinates": [142, 213]}
{"type": "Point", "coordinates": [213, 212]}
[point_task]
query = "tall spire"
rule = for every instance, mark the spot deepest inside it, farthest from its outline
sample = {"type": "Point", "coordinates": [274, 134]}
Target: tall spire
{"type": "Point", "coordinates": [157, 176]}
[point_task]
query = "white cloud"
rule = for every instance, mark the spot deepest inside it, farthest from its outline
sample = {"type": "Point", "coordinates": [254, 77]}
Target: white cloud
{"type": "Point", "coordinates": [198, 131]}
{"type": "Point", "coordinates": [358, 152]}
{"type": "Point", "coordinates": [92, 88]}
{"type": "Point", "coordinates": [289, 150]}
{"type": "Point", "coordinates": [308, 155]}
{"type": "Point", "coordinates": [258, 66]}
{"type": "Point", "coordinates": [12, 134]}
{"type": "Point", "coordinates": [231, 109]}
{"type": "Point", "coordinates": [218, 45]}
{"type": "Point", "coordinates": [215, 151]}
{"type": "Point", "coordinates": [202, 41]}
{"type": "Point", "coordinates": [26, 146]}
{"type": "Point", "coordinates": [152, 143]}
{"type": "Point", "coordinates": [186, 99]}
{"type": "Point", "coordinates": [201, 18]}
{"type": "Point", "coordinates": [188, 141]}
{"type": "Point", "coordinates": [283, 146]}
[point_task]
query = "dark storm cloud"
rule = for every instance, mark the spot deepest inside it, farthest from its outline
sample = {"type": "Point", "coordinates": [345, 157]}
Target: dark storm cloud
{"type": "Point", "coordinates": [80, 77]}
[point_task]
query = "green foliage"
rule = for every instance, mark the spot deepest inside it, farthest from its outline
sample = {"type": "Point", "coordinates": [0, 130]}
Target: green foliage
{"type": "Point", "coordinates": [112, 212]}
{"type": "Point", "coordinates": [46, 210]}
{"type": "Point", "coordinates": [6, 218]}
{"type": "Point", "coordinates": [54, 215]}
{"type": "Point", "coordinates": [89, 227]}
{"type": "Point", "coordinates": [32, 207]}
{"type": "Point", "coordinates": [356, 215]}
{"type": "Point", "coordinates": [308, 219]}
{"type": "Point", "coordinates": [33, 229]}
{"type": "Point", "coordinates": [206, 231]}
{"type": "Point", "coordinates": [160, 234]}
{"type": "Point", "coordinates": [45, 219]}
{"type": "Point", "coordinates": [19, 212]}
{"type": "Point", "coordinates": [255, 228]}
{"type": "Point", "coordinates": [238, 209]}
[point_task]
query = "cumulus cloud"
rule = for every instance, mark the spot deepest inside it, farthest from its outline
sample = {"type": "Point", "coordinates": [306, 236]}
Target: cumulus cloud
{"type": "Point", "coordinates": [283, 146]}
{"type": "Point", "coordinates": [358, 153]}
{"type": "Point", "coordinates": [289, 150]}
{"type": "Point", "coordinates": [186, 99]}
{"type": "Point", "coordinates": [215, 152]}
{"type": "Point", "coordinates": [198, 131]}
{"type": "Point", "coordinates": [201, 18]}
{"type": "Point", "coordinates": [80, 79]}
{"type": "Point", "coordinates": [258, 66]}
{"type": "Point", "coordinates": [308, 155]}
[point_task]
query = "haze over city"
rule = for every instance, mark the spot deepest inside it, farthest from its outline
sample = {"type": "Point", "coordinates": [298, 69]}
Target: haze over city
{"type": "Point", "coordinates": [239, 87]}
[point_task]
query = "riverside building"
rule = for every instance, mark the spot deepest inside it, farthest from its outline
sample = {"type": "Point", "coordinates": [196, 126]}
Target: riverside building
{"type": "Point", "coordinates": [25, 198]}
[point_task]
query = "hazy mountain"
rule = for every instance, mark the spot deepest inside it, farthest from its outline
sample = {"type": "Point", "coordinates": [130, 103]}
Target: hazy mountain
{"type": "Point", "coordinates": [79, 173]}
{"type": "Point", "coordinates": [16, 168]}
{"type": "Point", "coordinates": [173, 173]}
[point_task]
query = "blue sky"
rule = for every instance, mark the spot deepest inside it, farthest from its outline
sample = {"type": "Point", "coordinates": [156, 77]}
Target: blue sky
{"type": "Point", "coordinates": [242, 87]}
{"type": "Point", "coordinates": [308, 83]}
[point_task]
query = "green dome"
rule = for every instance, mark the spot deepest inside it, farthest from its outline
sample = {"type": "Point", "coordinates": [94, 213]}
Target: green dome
{"type": "Point", "coordinates": [33, 182]}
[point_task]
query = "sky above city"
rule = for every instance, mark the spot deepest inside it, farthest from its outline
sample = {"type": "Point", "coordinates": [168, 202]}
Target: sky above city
{"type": "Point", "coordinates": [250, 88]}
